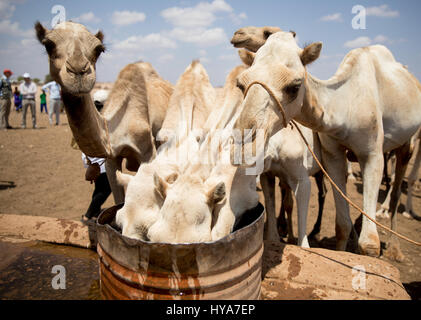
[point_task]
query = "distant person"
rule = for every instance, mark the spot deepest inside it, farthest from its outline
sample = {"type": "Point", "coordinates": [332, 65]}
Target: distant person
{"type": "Point", "coordinates": [55, 100]}
{"type": "Point", "coordinates": [5, 99]}
{"type": "Point", "coordinates": [28, 90]}
{"type": "Point", "coordinates": [95, 171]}
{"type": "Point", "coordinates": [17, 99]}
{"type": "Point", "coordinates": [43, 101]}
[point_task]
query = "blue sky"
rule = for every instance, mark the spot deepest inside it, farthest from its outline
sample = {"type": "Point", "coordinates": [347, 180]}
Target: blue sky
{"type": "Point", "coordinates": [171, 33]}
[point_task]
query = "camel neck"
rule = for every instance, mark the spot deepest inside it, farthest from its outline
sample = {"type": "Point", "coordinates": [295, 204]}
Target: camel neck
{"type": "Point", "coordinates": [87, 125]}
{"type": "Point", "coordinates": [315, 113]}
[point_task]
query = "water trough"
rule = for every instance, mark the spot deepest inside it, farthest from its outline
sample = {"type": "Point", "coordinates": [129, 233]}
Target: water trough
{"type": "Point", "coordinates": [229, 268]}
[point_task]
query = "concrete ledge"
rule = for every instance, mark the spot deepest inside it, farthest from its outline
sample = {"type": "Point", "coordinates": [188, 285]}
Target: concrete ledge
{"type": "Point", "coordinates": [53, 230]}
{"type": "Point", "coordinates": [289, 272]}
{"type": "Point", "coordinates": [293, 273]}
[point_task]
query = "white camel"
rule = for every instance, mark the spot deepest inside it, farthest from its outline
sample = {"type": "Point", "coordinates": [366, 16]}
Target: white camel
{"type": "Point", "coordinates": [409, 213]}
{"type": "Point", "coordinates": [188, 110]}
{"type": "Point", "coordinates": [371, 105]}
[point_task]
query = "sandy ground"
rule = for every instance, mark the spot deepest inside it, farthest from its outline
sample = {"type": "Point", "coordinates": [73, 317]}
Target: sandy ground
{"type": "Point", "coordinates": [40, 174]}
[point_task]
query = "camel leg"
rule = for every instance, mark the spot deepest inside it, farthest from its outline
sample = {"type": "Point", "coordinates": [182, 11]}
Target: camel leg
{"type": "Point", "coordinates": [383, 212]}
{"type": "Point", "coordinates": [412, 179]}
{"type": "Point", "coordinates": [112, 165]}
{"type": "Point", "coordinates": [315, 233]}
{"type": "Point", "coordinates": [372, 170]}
{"type": "Point", "coordinates": [403, 155]}
{"type": "Point", "coordinates": [350, 173]}
{"type": "Point", "coordinates": [282, 222]}
{"type": "Point", "coordinates": [267, 182]}
{"type": "Point", "coordinates": [302, 194]}
{"type": "Point", "coordinates": [288, 203]}
{"type": "Point", "coordinates": [334, 159]}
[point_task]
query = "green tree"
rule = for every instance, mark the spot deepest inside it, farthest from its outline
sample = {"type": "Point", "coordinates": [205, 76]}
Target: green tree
{"type": "Point", "coordinates": [48, 78]}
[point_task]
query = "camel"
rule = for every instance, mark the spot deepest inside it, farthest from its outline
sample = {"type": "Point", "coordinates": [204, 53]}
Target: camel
{"type": "Point", "coordinates": [288, 159]}
{"type": "Point", "coordinates": [383, 212]}
{"type": "Point", "coordinates": [370, 106]}
{"type": "Point", "coordinates": [252, 38]}
{"type": "Point", "coordinates": [207, 198]}
{"type": "Point", "coordinates": [133, 113]}
{"type": "Point", "coordinates": [189, 107]}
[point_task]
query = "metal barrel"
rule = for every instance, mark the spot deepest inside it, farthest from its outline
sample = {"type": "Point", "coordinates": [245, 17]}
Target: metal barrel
{"type": "Point", "coordinates": [227, 269]}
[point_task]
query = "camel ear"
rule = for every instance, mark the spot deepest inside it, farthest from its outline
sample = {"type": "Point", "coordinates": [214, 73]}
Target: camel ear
{"type": "Point", "coordinates": [246, 56]}
{"type": "Point", "coordinates": [160, 185]}
{"type": "Point", "coordinates": [100, 36]}
{"type": "Point", "coordinates": [40, 31]}
{"type": "Point", "coordinates": [123, 179]}
{"type": "Point", "coordinates": [217, 194]}
{"type": "Point", "coordinates": [311, 53]}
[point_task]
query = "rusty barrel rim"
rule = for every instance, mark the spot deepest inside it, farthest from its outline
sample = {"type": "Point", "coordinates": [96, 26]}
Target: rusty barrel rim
{"type": "Point", "coordinates": [229, 268]}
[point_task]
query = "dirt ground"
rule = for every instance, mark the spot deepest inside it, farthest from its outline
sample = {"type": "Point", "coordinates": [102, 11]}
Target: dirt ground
{"type": "Point", "coordinates": [40, 174]}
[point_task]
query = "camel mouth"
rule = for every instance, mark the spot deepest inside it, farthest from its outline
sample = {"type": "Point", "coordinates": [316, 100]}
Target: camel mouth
{"type": "Point", "coordinates": [78, 85]}
{"type": "Point", "coordinates": [238, 43]}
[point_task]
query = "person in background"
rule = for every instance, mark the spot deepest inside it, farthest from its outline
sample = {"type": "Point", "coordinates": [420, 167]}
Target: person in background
{"type": "Point", "coordinates": [17, 99]}
{"type": "Point", "coordinates": [55, 100]}
{"type": "Point", "coordinates": [95, 171]}
{"type": "Point", "coordinates": [28, 90]}
{"type": "Point", "coordinates": [43, 101]}
{"type": "Point", "coordinates": [5, 99]}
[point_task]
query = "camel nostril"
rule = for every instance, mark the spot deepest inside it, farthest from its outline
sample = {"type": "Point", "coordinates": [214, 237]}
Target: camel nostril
{"type": "Point", "coordinates": [77, 71]}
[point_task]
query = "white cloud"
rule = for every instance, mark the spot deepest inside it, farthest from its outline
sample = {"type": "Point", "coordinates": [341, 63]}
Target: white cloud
{"type": "Point", "coordinates": [366, 41]}
{"type": "Point", "coordinates": [151, 41]}
{"type": "Point", "coordinates": [202, 15]}
{"type": "Point", "coordinates": [12, 28]}
{"type": "Point", "coordinates": [359, 42]}
{"type": "Point", "coordinates": [332, 17]}
{"type": "Point", "coordinates": [124, 18]}
{"type": "Point", "coordinates": [238, 18]}
{"type": "Point", "coordinates": [381, 39]}
{"type": "Point", "coordinates": [200, 36]}
{"type": "Point", "coordinates": [88, 17]}
{"type": "Point", "coordinates": [6, 9]}
{"type": "Point", "coordinates": [382, 11]}
{"type": "Point", "coordinates": [193, 24]}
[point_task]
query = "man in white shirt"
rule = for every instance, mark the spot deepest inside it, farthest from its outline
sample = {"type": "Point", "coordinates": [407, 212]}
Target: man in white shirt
{"type": "Point", "coordinates": [28, 89]}
{"type": "Point", "coordinates": [55, 100]}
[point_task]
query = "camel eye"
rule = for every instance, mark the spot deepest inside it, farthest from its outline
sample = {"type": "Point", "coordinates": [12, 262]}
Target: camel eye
{"type": "Point", "coordinates": [292, 90]}
{"type": "Point", "coordinates": [240, 86]}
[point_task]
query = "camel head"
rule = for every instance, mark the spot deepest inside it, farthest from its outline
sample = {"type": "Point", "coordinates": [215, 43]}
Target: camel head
{"type": "Point", "coordinates": [252, 38]}
{"type": "Point", "coordinates": [281, 65]}
{"type": "Point", "coordinates": [73, 52]}
{"type": "Point", "coordinates": [187, 213]}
